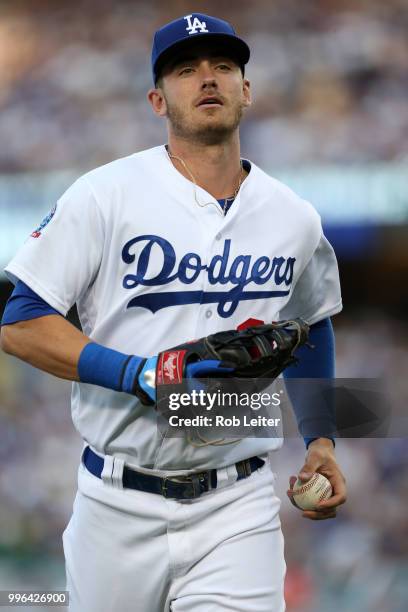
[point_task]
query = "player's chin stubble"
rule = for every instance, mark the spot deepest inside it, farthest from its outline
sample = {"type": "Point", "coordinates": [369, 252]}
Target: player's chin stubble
{"type": "Point", "coordinates": [204, 132]}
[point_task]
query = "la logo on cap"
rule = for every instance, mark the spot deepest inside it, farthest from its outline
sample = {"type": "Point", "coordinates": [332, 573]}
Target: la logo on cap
{"type": "Point", "coordinates": [196, 25]}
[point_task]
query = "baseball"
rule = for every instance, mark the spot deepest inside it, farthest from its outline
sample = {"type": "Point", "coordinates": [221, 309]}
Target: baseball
{"type": "Point", "coordinates": [307, 495]}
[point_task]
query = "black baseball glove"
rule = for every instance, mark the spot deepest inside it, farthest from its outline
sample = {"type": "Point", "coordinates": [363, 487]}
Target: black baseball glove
{"type": "Point", "coordinates": [258, 353]}
{"type": "Point", "coordinates": [261, 351]}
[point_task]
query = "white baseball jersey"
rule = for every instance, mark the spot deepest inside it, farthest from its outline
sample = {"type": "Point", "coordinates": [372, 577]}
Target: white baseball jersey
{"type": "Point", "coordinates": [151, 261]}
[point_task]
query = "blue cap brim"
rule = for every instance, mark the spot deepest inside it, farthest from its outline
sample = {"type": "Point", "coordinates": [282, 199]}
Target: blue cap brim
{"type": "Point", "coordinates": [231, 46]}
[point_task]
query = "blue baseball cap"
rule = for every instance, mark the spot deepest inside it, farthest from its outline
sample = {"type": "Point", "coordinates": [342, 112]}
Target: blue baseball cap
{"type": "Point", "coordinates": [182, 32]}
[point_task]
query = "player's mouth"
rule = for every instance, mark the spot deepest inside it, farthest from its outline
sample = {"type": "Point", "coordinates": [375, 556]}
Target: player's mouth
{"type": "Point", "coordinates": [210, 102]}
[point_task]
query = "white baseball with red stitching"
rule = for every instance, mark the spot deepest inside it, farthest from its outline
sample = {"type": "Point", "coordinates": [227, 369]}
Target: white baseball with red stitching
{"type": "Point", "coordinates": [307, 495]}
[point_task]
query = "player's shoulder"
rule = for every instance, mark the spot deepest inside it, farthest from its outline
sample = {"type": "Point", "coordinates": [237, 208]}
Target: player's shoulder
{"type": "Point", "coordinates": [107, 182]}
{"type": "Point", "coordinates": [123, 167]}
{"type": "Point", "coordinates": [282, 196]}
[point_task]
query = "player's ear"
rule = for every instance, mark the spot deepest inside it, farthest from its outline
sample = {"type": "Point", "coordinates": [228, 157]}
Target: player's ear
{"type": "Point", "coordinates": [157, 101]}
{"type": "Point", "coordinates": [246, 90]}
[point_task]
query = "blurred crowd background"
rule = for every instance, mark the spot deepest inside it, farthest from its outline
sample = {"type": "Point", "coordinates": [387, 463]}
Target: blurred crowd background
{"type": "Point", "coordinates": [329, 79]}
{"type": "Point", "coordinates": [330, 85]}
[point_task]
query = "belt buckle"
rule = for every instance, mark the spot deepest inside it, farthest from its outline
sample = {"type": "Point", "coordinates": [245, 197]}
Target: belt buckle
{"type": "Point", "coordinates": [245, 465]}
{"type": "Point", "coordinates": [191, 485]}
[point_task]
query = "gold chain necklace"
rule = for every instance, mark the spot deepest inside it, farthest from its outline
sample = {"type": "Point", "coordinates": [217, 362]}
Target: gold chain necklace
{"type": "Point", "coordinates": [187, 169]}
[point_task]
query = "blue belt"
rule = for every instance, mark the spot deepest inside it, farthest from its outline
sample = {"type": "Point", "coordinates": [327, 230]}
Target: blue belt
{"type": "Point", "coordinates": [188, 486]}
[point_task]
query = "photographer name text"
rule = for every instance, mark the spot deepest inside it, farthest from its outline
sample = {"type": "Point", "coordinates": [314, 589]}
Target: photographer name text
{"type": "Point", "coordinates": [222, 421]}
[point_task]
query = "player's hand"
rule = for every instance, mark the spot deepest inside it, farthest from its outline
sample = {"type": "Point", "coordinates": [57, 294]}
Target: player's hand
{"type": "Point", "coordinates": [202, 369]}
{"type": "Point", "coordinates": [320, 458]}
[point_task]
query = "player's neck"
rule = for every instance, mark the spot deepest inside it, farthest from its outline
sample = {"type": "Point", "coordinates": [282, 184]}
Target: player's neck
{"type": "Point", "coordinates": [215, 168]}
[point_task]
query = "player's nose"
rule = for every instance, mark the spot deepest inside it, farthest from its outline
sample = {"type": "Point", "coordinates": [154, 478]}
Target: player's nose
{"type": "Point", "coordinates": [209, 83]}
{"type": "Point", "coordinates": [207, 74]}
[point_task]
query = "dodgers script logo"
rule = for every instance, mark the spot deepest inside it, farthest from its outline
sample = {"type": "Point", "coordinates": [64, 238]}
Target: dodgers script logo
{"type": "Point", "coordinates": [192, 28]}
{"type": "Point", "coordinates": [221, 270]}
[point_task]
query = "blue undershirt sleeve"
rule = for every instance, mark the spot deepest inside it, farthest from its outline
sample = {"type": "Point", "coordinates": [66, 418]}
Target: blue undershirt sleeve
{"type": "Point", "coordinates": [24, 304]}
{"type": "Point", "coordinates": [318, 362]}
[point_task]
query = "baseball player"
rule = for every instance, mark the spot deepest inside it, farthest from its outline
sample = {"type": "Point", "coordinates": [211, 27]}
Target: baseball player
{"type": "Point", "coordinates": [157, 249]}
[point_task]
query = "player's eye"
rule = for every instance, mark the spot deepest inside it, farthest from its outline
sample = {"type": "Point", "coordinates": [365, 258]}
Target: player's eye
{"type": "Point", "coordinates": [186, 70]}
{"type": "Point", "coordinates": [224, 67]}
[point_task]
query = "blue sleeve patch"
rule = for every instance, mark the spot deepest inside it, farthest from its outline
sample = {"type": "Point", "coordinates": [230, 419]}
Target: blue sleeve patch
{"type": "Point", "coordinates": [37, 232]}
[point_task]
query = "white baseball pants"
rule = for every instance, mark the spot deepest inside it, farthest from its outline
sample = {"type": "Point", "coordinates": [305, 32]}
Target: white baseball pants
{"type": "Point", "coordinates": [131, 551]}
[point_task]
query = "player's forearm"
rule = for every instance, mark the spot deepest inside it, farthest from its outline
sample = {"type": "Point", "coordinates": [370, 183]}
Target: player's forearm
{"type": "Point", "coordinates": [311, 400]}
{"type": "Point", "coordinates": [49, 343]}
{"type": "Point", "coordinates": [52, 344]}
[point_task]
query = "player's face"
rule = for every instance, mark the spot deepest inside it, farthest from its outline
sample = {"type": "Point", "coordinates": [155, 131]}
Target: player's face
{"type": "Point", "coordinates": [203, 97]}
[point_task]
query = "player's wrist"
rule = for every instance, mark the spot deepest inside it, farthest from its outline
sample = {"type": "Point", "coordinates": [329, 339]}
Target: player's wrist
{"type": "Point", "coordinates": [328, 443]}
{"type": "Point", "coordinates": [105, 367]}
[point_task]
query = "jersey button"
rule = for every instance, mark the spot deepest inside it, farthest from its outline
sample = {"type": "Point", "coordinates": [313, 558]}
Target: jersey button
{"type": "Point", "coordinates": [208, 314]}
{"type": "Point", "coordinates": [218, 237]}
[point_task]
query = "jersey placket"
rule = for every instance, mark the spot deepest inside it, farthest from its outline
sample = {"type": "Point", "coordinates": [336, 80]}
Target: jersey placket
{"type": "Point", "coordinates": [214, 224]}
